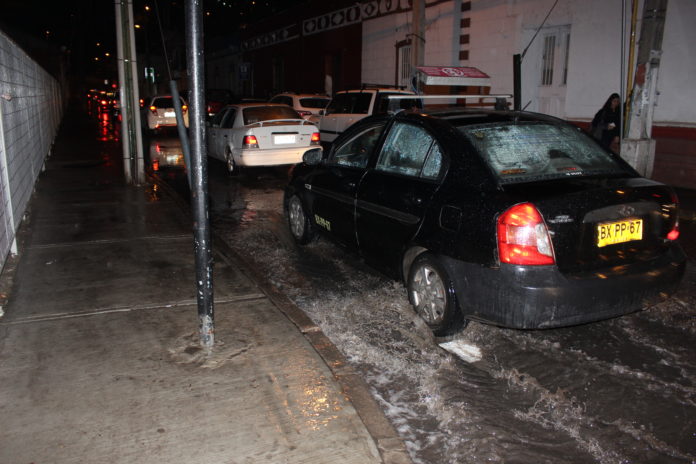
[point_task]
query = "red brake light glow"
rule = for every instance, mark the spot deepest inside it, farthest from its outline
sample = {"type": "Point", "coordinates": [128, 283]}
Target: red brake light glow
{"type": "Point", "coordinates": [250, 141]}
{"type": "Point", "coordinates": [674, 233]}
{"type": "Point", "coordinates": [523, 237]}
{"type": "Point", "coordinates": [315, 138]}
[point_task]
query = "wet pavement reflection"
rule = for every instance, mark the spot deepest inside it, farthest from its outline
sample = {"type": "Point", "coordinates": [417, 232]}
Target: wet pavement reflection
{"type": "Point", "coordinates": [617, 391]}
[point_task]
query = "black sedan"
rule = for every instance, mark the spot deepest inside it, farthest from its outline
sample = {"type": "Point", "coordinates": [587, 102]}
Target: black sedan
{"type": "Point", "coordinates": [510, 218]}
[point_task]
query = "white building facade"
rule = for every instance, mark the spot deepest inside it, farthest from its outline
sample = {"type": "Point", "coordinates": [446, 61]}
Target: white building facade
{"type": "Point", "coordinates": [570, 68]}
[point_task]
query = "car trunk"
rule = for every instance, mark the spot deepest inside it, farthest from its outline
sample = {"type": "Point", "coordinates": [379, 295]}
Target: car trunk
{"type": "Point", "coordinates": [603, 223]}
{"type": "Point", "coordinates": [282, 134]}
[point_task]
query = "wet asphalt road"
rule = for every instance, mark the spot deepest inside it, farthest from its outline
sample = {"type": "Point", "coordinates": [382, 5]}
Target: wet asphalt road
{"type": "Point", "coordinates": [618, 391]}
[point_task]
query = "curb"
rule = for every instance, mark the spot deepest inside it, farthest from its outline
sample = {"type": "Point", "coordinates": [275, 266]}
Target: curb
{"type": "Point", "coordinates": [391, 447]}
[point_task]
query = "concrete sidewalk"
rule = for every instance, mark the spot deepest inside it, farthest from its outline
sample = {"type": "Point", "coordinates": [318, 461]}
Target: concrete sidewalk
{"type": "Point", "coordinates": [99, 355]}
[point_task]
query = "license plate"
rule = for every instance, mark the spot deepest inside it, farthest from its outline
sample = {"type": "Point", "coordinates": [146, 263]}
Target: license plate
{"type": "Point", "coordinates": [169, 114]}
{"type": "Point", "coordinates": [611, 233]}
{"type": "Point", "coordinates": [283, 139]}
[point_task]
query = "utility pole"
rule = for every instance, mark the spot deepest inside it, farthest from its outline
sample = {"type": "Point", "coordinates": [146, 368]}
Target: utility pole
{"type": "Point", "coordinates": [638, 149]}
{"type": "Point", "coordinates": [199, 173]}
{"type": "Point", "coordinates": [131, 135]}
{"type": "Point", "coordinates": [417, 35]}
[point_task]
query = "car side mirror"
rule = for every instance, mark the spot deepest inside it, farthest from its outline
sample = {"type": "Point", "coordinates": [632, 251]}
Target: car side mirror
{"type": "Point", "coordinates": [313, 157]}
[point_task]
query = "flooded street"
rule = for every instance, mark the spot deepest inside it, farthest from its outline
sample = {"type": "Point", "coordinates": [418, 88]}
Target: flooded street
{"type": "Point", "coordinates": [618, 391]}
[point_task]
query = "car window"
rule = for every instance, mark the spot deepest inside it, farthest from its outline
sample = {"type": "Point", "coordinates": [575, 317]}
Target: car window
{"type": "Point", "coordinates": [165, 102]}
{"type": "Point", "coordinates": [314, 102]}
{"type": "Point", "coordinates": [282, 99]}
{"type": "Point", "coordinates": [384, 104]}
{"type": "Point", "coordinates": [356, 151]}
{"type": "Point", "coordinates": [228, 121]}
{"type": "Point", "coordinates": [268, 113]}
{"type": "Point", "coordinates": [538, 151]}
{"type": "Point", "coordinates": [409, 150]}
{"type": "Point", "coordinates": [340, 104]}
{"type": "Point", "coordinates": [361, 102]}
{"type": "Point", "coordinates": [217, 119]}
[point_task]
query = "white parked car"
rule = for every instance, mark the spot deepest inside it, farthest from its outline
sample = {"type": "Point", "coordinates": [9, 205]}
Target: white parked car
{"type": "Point", "coordinates": [260, 134]}
{"type": "Point", "coordinates": [306, 104]}
{"type": "Point", "coordinates": [160, 112]}
{"type": "Point", "coordinates": [350, 106]}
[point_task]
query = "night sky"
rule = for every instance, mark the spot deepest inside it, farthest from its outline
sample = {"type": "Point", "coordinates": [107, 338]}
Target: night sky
{"type": "Point", "coordinates": [83, 31]}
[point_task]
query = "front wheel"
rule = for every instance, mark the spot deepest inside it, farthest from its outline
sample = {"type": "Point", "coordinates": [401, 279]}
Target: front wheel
{"type": "Point", "coordinates": [431, 292]}
{"type": "Point", "coordinates": [300, 227]}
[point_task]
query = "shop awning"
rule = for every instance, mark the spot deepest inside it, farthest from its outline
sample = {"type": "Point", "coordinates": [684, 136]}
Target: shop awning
{"type": "Point", "coordinates": [453, 75]}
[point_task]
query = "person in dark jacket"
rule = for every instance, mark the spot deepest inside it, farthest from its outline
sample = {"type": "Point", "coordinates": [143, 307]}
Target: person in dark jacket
{"type": "Point", "coordinates": [606, 124]}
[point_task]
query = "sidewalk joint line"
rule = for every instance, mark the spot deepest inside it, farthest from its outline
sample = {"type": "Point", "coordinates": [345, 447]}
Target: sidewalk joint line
{"type": "Point", "coordinates": [126, 309]}
{"type": "Point", "coordinates": [108, 241]}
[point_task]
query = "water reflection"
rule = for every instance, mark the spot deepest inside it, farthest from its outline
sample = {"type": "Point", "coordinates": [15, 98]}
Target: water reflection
{"type": "Point", "coordinates": [109, 127]}
{"type": "Point", "coordinates": [166, 152]}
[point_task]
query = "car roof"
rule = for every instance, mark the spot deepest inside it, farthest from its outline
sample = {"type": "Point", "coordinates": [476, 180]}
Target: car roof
{"type": "Point", "coordinates": [460, 116]}
{"type": "Point", "coordinates": [377, 89]}
{"type": "Point", "coordinates": [256, 104]}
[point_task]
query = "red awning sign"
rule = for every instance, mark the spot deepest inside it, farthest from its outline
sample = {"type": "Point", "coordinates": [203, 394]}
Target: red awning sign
{"type": "Point", "coordinates": [453, 75]}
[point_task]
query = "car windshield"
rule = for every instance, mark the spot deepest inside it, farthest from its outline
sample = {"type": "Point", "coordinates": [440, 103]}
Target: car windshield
{"type": "Point", "coordinates": [314, 102]}
{"type": "Point", "coordinates": [267, 113]}
{"type": "Point", "coordinates": [538, 151]}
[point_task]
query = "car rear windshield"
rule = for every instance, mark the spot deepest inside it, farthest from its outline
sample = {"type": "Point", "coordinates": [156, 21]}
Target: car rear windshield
{"type": "Point", "coordinates": [538, 151]}
{"type": "Point", "coordinates": [267, 113]}
{"type": "Point", "coordinates": [165, 102]}
{"type": "Point", "coordinates": [314, 102]}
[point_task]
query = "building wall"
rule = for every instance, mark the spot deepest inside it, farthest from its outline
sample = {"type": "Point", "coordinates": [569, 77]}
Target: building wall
{"type": "Point", "coordinates": [380, 36]}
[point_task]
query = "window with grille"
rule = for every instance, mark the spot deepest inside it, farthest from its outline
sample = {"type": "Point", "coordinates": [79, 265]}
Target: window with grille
{"type": "Point", "coordinates": [547, 60]}
{"type": "Point", "coordinates": [405, 64]}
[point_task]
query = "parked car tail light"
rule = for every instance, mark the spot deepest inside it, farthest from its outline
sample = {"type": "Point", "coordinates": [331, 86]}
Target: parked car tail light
{"type": "Point", "coordinates": [316, 139]}
{"type": "Point", "coordinates": [153, 108]}
{"type": "Point", "coordinates": [674, 233]}
{"type": "Point", "coordinates": [523, 237]}
{"type": "Point", "coordinates": [304, 113]}
{"type": "Point", "coordinates": [250, 141]}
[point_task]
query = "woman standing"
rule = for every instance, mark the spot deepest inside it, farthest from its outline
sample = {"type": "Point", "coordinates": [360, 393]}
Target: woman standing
{"type": "Point", "coordinates": [607, 123]}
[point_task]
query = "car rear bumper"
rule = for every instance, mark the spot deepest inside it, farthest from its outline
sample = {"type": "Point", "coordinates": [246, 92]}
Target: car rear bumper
{"type": "Point", "coordinates": [275, 157]}
{"type": "Point", "coordinates": [536, 297]}
{"type": "Point", "coordinates": [153, 122]}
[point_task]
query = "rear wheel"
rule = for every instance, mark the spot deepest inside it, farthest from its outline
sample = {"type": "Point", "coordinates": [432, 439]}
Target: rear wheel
{"type": "Point", "coordinates": [431, 292]}
{"type": "Point", "coordinates": [300, 227]}
{"type": "Point", "coordinates": [232, 167]}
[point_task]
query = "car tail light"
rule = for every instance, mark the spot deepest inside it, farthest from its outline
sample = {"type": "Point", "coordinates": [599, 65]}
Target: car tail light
{"type": "Point", "coordinates": [316, 139]}
{"type": "Point", "coordinates": [304, 113]}
{"type": "Point", "coordinates": [674, 233]}
{"type": "Point", "coordinates": [523, 237]}
{"type": "Point", "coordinates": [250, 141]}
{"type": "Point", "coordinates": [104, 102]}
{"type": "Point", "coordinates": [153, 108]}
